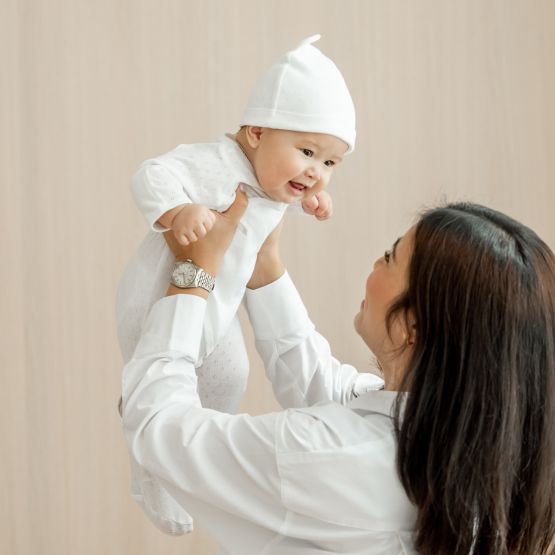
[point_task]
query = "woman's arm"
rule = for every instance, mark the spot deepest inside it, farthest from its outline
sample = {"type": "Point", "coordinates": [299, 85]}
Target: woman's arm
{"type": "Point", "coordinates": [268, 267]}
{"type": "Point", "coordinates": [297, 359]}
{"type": "Point", "coordinates": [209, 251]}
{"type": "Point", "coordinates": [222, 468]}
{"type": "Point", "coordinates": [219, 466]}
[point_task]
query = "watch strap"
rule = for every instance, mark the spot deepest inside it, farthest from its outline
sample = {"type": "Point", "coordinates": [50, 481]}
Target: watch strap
{"type": "Point", "coordinates": [204, 279]}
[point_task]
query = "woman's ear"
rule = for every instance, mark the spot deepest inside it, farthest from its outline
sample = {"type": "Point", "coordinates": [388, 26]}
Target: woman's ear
{"type": "Point", "coordinates": [253, 135]}
{"type": "Point", "coordinates": [402, 332]}
{"type": "Point", "coordinates": [410, 323]}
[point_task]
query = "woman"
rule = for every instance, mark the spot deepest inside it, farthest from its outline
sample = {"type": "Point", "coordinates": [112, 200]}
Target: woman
{"type": "Point", "coordinates": [455, 456]}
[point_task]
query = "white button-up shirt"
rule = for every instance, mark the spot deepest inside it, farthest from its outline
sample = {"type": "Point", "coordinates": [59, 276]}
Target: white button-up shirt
{"type": "Point", "coordinates": [317, 478]}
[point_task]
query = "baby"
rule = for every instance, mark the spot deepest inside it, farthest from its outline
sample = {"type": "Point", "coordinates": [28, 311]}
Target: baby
{"type": "Point", "coordinates": [298, 124]}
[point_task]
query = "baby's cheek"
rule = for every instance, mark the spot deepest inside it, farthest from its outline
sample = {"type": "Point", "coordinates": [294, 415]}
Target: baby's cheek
{"type": "Point", "coordinates": [326, 179]}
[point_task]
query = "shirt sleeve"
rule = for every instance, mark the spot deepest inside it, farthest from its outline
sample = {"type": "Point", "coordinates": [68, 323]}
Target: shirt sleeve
{"type": "Point", "coordinates": [297, 359]}
{"type": "Point", "coordinates": [210, 462]}
{"type": "Point", "coordinates": [157, 188]}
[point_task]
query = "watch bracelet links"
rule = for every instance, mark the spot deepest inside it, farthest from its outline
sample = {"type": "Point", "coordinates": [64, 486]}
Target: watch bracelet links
{"type": "Point", "coordinates": [206, 281]}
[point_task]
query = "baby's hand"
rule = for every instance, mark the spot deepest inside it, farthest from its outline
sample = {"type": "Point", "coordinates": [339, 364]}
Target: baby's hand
{"type": "Point", "coordinates": [320, 205]}
{"type": "Point", "coordinates": [192, 222]}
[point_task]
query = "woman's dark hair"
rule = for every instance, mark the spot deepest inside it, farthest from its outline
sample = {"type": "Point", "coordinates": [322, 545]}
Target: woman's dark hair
{"type": "Point", "coordinates": [476, 433]}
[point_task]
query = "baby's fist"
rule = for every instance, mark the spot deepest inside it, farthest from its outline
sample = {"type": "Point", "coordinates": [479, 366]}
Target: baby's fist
{"type": "Point", "coordinates": [319, 205]}
{"type": "Point", "coordinates": [192, 223]}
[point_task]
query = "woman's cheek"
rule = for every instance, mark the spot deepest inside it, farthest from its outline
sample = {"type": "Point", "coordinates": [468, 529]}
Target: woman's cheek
{"type": "Point", "coordinates": [374, 287]}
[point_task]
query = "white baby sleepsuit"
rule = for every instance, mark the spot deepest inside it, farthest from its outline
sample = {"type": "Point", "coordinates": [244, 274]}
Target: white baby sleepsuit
{"type": "Point", "coordinates": [206, 174]}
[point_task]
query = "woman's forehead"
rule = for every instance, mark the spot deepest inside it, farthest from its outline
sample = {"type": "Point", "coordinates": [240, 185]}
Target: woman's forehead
{"type": "Point", "coordinates": [404, 245]}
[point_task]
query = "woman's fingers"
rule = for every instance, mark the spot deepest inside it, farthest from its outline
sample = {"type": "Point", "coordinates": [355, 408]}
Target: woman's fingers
{"type": "Point", "coordinates": [208, 239]}
{"type": "Point", "coordinates": [237, 209]}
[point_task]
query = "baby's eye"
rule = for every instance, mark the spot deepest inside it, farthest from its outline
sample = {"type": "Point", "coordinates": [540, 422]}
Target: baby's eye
{"type": "Point", "coordinates": [329, 163]}
{"type": "Point", "coordinates": [387, 256]}
{"type": "Point", "coordinates": [307, 152]}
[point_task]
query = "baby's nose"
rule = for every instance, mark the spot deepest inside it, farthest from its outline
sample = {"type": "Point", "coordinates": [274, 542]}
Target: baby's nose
{"type": "Point", "coordinates": [312, 172]}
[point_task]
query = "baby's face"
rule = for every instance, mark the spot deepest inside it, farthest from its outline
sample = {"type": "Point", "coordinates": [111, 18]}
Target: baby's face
{"type": "Point", "coordinates": [293, 165]}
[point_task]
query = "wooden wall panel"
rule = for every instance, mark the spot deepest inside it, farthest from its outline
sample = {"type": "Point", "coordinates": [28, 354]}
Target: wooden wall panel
{"type": "Point", "coordinates": [455, 100]}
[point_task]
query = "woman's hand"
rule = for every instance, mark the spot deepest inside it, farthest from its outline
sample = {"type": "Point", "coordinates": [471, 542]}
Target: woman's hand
{"type": "Point", "coordinates": [209, 251]}
{"type": "Point", "coordinates": [269, 266]}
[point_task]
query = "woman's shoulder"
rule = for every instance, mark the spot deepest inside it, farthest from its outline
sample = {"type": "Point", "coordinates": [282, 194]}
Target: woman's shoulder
{"type": "Point", "coordinates": [338, 465]}
{"type": "Point", "coordinates": [329, 425]}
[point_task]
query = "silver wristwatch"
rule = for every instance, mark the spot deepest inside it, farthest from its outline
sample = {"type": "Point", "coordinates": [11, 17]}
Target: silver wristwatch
{"type": "Point", "coordinates": [187, 274]}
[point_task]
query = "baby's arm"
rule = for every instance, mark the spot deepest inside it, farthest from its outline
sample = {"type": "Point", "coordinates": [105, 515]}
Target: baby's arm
{"type": "Point", "coordinates": [158, 189]}
{"type": "Point", "coordinates": [159, 192]}
{"type": "Point", "coordinates": [189, 222]}
{"type": "Point", "coordinates": [319, 205]}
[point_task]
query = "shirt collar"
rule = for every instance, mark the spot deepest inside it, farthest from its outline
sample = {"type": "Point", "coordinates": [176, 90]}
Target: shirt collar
{"type": "Point", "coordinates": [381, 402]}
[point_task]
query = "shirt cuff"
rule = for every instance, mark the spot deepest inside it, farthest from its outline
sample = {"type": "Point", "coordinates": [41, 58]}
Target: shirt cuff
{"type": "Point", "coordinates": [277, 310]}
{"type": "Point", "coordinates": [174, 324]}
{"type": "Point", "coordinates": [366, 382]}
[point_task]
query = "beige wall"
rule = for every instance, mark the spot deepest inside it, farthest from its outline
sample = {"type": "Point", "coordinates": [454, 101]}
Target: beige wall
{"type": "Point", "coordinates": [455, 99]}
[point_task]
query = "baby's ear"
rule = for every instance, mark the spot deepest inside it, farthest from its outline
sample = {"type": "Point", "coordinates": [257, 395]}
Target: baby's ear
{"type": "Point", "coordinates": [254, 135]}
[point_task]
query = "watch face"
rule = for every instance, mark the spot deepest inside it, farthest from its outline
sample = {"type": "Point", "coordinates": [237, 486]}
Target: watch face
{"type": "Point", "coordinates": [184, 275]}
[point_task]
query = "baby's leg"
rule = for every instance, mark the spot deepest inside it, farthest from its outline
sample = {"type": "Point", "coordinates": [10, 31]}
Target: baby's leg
{"type": "Point", "coordinates": [143, 282]}
{"type": "Point", "coordinates": [222, 378]}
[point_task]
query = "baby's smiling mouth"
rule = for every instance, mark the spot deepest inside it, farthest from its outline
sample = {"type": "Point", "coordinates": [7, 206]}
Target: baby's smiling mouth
{"type": "Point", "coordinates": [298, 186]}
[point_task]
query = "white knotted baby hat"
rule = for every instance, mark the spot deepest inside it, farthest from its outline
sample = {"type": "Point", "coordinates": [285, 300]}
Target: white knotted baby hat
{"type": "Point", "coordinates": [304, 91]}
